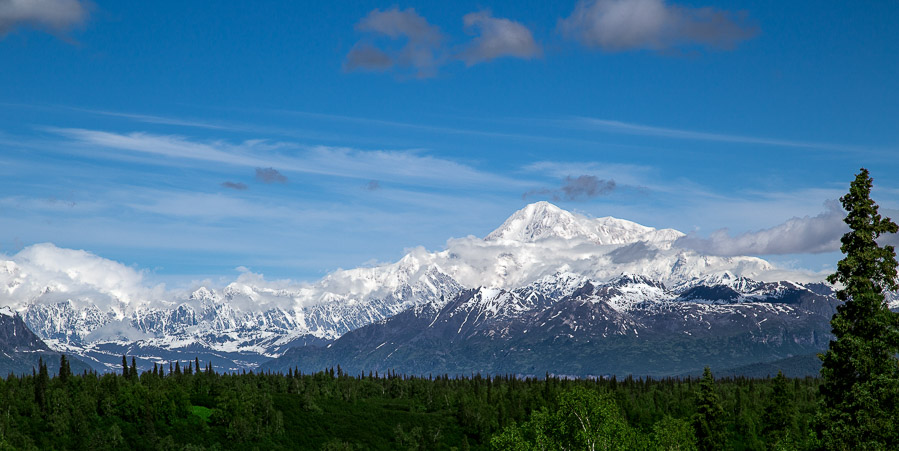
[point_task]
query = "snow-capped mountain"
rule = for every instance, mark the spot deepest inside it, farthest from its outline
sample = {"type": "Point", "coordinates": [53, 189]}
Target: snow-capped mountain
{"type": "Point", "coordinates": [99, 309]}
{"type": "Point", "coordinates": [543, 220]}
{"type": "Point", "coordinates": [240, 325]}
{"type": "Point", "coordinates": [630, 325]}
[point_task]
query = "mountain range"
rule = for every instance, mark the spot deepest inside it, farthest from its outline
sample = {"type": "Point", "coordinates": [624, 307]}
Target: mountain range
{"type": "Point", "coordinates": [547, 291]}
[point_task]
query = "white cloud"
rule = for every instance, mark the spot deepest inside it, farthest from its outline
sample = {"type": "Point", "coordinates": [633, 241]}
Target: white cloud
{"type": "Point", "coordinates": [805, 235]}
{"type": "Point", "coordinates": [54, 15]}
{"type": "Point", "coordinates": [48, 273]}
{"type": "Point", "coordinates": [497, 37]}
{"type": "Point", "coordinates": [620, 25]}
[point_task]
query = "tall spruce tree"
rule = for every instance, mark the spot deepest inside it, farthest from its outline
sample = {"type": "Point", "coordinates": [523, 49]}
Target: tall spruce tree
{"type": "Point", "coordinates": [132, 372]}
{"type": "Point", "coordinates": [65, 371]}
{"type": "Point", "coordinates": [708, 421]}
{"type": "Point", "coordinates": [41, 382]}
{"type": "Point", "coordinates": [860, 372]}
{"type": "Point", "coordinates": [780, 414]}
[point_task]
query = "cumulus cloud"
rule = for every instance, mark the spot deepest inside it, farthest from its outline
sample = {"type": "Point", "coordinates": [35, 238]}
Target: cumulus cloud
{"type": "Point", "coordinates": [621, 25]}
{"type": "Point", "coordinates": [404, 41]}
{"type": "Point", "coordinates": [270, 175]}
{"type": "Point", "coordinates": [576, 188]}
{"type": "Point", "coordinates": [53, 15]}
{"type": "Point", "coordinates": [420, 51]}
{"type": "Point", "coordinates": [497, 37]}
{"type": "Point", "coordinates": [806, 235]}
{"type": "Point", "coordinates": [46, 273]}
{"type": "Point", "coordinates": [235, 185]}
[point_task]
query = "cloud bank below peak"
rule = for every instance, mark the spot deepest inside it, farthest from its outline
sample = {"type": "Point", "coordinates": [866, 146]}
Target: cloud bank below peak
{"type": "Point", "coordinates": [805, 235]}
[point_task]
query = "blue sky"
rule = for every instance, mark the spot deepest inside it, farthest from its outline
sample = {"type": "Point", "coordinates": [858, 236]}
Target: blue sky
{"type": "Point", "coordinates": [293, 138]}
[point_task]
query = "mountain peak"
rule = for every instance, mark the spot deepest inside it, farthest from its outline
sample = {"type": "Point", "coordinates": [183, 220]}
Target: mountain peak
{"type": "Point", "coordinates": [543, 220]}
{"type": "Point", "coordinates": [538, 221]}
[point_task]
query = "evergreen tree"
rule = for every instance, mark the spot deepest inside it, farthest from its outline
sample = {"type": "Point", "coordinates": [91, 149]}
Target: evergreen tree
{"type": "Point", "coordinates": [65, 371]}
{"type": "Point", "coordinates": [708, 421]}
{"type": "Point", "coordinates": [860, 372]}
{"type": "Point", "coordinates": [124, 366]}
{"type": "Point", "coordinates": [197, 364]}
{"type": "Point", "coordinates": [42, 380]}
{"type": "Point", "coordinates": [779, 413]}
{"type": "Point", "coordinates": [132, 372]}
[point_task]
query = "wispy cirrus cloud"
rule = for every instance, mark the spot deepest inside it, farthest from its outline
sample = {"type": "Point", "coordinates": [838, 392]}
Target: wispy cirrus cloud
{"type": "Point", "coordinates": [630, 128]}
{"type": "Point", "coordinates": [53, 15]}
{"type": "Point", "coordinates": [622, 25]}
{"type": "Point", "coordinates": [407, 166]}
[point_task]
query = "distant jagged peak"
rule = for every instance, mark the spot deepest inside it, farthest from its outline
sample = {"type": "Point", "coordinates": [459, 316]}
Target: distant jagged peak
{"type": "Point", "coordinates": [628, 279]}
{"type": "Point", "coordinates": [203, 294]}
{"type": "Point", "coordinates": [543, 220]}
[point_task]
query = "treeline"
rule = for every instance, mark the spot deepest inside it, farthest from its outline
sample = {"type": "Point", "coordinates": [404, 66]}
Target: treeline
{"type": "Point", "coordinates": [188, 406]}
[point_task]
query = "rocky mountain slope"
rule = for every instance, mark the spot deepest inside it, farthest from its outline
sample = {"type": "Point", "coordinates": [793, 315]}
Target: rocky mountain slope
{"type": "Point", "coordinates": [21, 350]}
{"type": "Point", "coordinates": [631, 325]}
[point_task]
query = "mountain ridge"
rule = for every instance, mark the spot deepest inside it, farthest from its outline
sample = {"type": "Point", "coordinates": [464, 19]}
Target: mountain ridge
{"type": "Point", "coordinates": [586, 333]}
{"type": "Point", "coordinates": [252, 320]}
